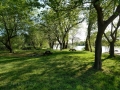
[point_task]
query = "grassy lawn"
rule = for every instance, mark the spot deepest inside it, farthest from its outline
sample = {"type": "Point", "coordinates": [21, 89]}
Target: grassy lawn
{"type": "Point", "coordinates": [59, 71]}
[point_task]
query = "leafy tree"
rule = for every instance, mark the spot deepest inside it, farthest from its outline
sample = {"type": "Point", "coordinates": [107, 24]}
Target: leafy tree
{"type": "Point", "coordinates": [48, 25]}
{"type": "Point", "coordinates": [64, 19]}
{"type": "Point", "coordinates": [13, 16]}
{"type": "Point", "coordinates": [112, 37]}
{"type": "Point", "coordinates": [73, 38]}
{"type": "Point", "coordinates": [37, 37]}
{"type": "Point", "coordinates": [102, 24]}
{"type": "Point", "coordinates": [90, 21]}
{"type": "Point", "coordinates": [12, 19]}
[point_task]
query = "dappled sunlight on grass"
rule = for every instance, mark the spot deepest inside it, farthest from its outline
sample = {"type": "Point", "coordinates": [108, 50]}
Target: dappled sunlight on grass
{"type": "Point", "coordinates": [60, 71]}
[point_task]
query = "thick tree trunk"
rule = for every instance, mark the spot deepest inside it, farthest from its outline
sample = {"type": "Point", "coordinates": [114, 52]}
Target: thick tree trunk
{"type": "Point", "coordinates": [63, 45]}
{"type": "Point", "coordinates": [66, 44]}
{"type": "Point", "coordinates": [98, 52]}
{"type": "Point", "coordinates": [111, 51]}
{"type": "Point", "coordinates": [101, 28]}
{"type": "Point", "coordinates": [9, 48]}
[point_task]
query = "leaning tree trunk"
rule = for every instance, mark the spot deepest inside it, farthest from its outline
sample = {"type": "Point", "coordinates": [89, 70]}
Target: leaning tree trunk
{"type": "Point", "coordinates": [87, 42]}
{"type": "Point", "coordinates": [111, 51]}
{"type": "Point", "coordinates": [88, 46]}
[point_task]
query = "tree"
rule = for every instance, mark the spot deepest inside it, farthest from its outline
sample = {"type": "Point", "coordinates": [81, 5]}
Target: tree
{"type": "Point", "coordinates": [13, 14]}
{"type": "Point", "coordinates": [70, 19]}
{"type": "Point", "coordinates": [37, 36]}
{"type": "Point", "coordinates": [63, 20]}
{"type": "Point", "coordinates": [65, 25]}
{"type": "Point", "coordinates": [91, 20]}
{"type": "Point", "coordinates": [73, 37]}
{"type": "Point", "coordinates": [102, 24]}
{"type": "Point", "coordinates": [113, 37]}
{"type": "Point", "coordinates": [10, 18]}
{"type": "Point", "coordinates": [48, 24]}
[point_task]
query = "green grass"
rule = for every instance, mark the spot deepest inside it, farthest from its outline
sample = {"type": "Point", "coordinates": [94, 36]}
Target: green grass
{"type": "Point", "coordinates": [60, 71]}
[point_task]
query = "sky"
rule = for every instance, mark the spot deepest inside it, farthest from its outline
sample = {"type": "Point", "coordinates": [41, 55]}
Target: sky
{"type": "Point", "coordinates": [80, 34]}
{"type": "Point", "coordinates": [82, 31]}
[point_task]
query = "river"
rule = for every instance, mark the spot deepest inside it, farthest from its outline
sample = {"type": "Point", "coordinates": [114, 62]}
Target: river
{"type": "Point", "coordinates": [104, 49]}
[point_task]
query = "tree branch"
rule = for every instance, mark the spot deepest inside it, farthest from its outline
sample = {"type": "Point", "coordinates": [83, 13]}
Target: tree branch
{"type": "Point", "coordinates": [116, 13]}
{"type": "Point", "coordinates": [106, 37]}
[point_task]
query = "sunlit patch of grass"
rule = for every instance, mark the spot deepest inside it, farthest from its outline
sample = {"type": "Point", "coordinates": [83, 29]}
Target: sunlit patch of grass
{"type": "Point", "coordinates": [63, 70]}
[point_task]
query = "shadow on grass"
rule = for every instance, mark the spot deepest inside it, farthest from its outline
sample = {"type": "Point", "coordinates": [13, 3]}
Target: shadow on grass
{"type": "Point", "coordinates": [106, 57]}
{"type": "Point", "coordinates": [54, 72]}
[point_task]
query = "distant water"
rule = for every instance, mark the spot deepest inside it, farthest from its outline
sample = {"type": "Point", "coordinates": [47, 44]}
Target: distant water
{"type": "Point", "coordinates": [104, 48]}
{"type": "Point", "coordinates": [80, 48]}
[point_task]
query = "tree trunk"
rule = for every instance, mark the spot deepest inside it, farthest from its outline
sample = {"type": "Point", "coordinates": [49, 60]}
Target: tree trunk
{"type": "Point", "coordinates": [98, 52]}
{"type": "Point", "coordinates": [101, 28]}
{"type": "Point", "coordinates": [51, 44]}
{"type": "Point", "coordinates": [111, 51]}
{"type": "Point", "coordinates": [61, 46]}
{"type": "Point", "coordinates": [87, 43]}
{"type": "Point", "coordinates": [66, 44]}
{"type": "Point", "coordinates": [72, 42]}
{"type": "Point", "coordinates": [90, 47]}
{"type": "Point", "coordinates": [8, 46]}
{"type": "Point", "coordinates": [57, 46]}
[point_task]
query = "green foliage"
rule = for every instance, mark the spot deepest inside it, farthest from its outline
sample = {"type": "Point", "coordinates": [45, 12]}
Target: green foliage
{"type": "Point", "coordinates": [14, 16]}
{"type": "Point", "coordinates": [17, 42]}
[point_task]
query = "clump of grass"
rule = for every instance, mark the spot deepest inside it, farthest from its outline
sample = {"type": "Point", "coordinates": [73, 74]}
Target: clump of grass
{"type": "Point", "coordinates": [63, 70]}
